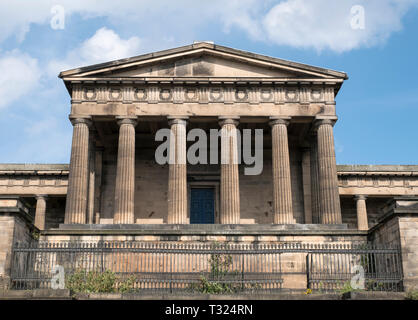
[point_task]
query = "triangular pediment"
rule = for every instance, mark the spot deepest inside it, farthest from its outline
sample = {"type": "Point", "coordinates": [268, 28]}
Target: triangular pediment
{"type": "Point", "coordinates": [205, 65]}
{"type": "Point", "coordinates": [202, 60]}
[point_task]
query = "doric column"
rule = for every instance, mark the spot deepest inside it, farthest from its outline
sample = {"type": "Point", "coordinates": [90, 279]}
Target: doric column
{"type": "Point", "coordinates": [282, 189]}
{"type": "Point", "coordinates": [362, 223]}
{"type": "Point", "coordinates": [92, 179]}
{"type": "Point", "coordinates": [315, 179]}
{"type": "Point", "coordinates": [125, 172]}
{"type": "Point", "coordinates": [40, 211]}
{"type": "Point", "coordinates": [330, 210]}
{"type": "Point", "coordinates": [76, 204]}
{"type": "Point", "coordinates": [177, 176]}
{"type": "Point", "coordinates": [230, 202]}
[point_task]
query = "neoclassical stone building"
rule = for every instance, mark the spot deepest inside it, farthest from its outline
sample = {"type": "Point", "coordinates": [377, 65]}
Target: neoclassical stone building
{"type": "Point", "coordinates": [117, 108]}
{"type": "Point", "coordinates": [114, 188]}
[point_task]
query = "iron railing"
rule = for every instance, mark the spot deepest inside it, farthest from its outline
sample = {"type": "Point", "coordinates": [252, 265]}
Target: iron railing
{"type": "Point", "coordinates": [220, 267]}
{"type": "Point", "coordinates": [333, 269]}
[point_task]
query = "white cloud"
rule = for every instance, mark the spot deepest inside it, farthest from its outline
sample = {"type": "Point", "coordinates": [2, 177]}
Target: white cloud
{"type": "Point", "coordinates": [105, 45]}
{"type": "Point", "coordinates": [318, 24]}
{"type": "Point", "coordinates": [244, 14]}
{"type": "Point", "coordinates": [16, 17]}
{"type": "Point", "coordinates": [325, 24]}
{"type": "Point", "coordinates": [19, 76]}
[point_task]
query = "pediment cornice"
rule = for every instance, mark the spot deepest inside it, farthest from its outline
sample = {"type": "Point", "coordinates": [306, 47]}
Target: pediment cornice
{"type": "Point", "coordinates": [198, 50]}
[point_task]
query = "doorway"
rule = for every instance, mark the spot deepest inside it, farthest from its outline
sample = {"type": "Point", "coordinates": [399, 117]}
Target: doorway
{"type": "Point", "coordinates": [202, 205]}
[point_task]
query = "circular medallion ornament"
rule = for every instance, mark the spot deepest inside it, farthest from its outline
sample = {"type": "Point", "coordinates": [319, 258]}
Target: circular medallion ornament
{"type": "Point", "coordinates": [140, 94]}
{"type": "Point", "coordinates": [115, 94]}
{"type": "Point", "coordinates": [190, 94]}
{"type": "Point", "coordinates": [89, 94]}
{"type": "Point", "coordinates": [165, 94]}
{"type": "Point", "coordinates": [266, 94]}
{"type": "Point", "coordinates": [291, 95]}
{"type": "Point", "coordinates": [316, 94]}
{"type": "Point", "coordinates": [241, 94]}
{"type": "Point", "coordinates": [216, 94]}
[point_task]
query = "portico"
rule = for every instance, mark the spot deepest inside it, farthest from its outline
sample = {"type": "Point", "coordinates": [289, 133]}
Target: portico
{"type": "Point", "coordinates": [118, 107]}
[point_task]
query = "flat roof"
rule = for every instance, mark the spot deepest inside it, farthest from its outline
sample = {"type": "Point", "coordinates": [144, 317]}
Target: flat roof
{"type": "Point", "coordinates": [340, 168]}
{"type": "Point", "coordinates": [376, 168]}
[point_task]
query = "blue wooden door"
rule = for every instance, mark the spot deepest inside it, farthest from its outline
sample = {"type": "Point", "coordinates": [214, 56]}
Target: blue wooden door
{"type": "Point", "coordinates": [202, 205]}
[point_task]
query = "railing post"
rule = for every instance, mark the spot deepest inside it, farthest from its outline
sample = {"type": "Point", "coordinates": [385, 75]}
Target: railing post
{"type": "Point", "coordinates": [307, 271]}
{"type": "Point", "coordinates": [242, 271]}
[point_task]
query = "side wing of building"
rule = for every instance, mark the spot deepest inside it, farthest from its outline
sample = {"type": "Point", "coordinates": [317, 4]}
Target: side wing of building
{"type": "Point", "coordinates": [377, 185]}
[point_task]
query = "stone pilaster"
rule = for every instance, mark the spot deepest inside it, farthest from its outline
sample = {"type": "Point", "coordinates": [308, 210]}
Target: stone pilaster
{"type": "Point", "coordinates": [307, 185]}
{"type": "Point", "coordinates": [362, 223]}
{"type": "Point", "coordinates": [177, 177]}
{"type": "Point", "coordinates": [330, 209]}
{"type": "Point", "coordinates": [98, 183]}
{"type": "Point", "coordinates": [282, 189]}
{"type": "Point", "coordinates": [230, 202]}
{"type": "Point", "coordinates": [125, 172]}
{"type": "Point", "coordinates": [76, 204]}
{"type": "Point", "coordinates": [40, 212]}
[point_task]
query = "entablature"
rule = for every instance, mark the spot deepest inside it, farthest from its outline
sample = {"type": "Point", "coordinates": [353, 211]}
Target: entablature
{"type": "Point", "coordinates": [203, 91]}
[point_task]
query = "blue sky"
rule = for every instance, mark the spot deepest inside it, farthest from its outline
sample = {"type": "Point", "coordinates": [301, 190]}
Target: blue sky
{"type": "Point", "coordinates": [377, 106]}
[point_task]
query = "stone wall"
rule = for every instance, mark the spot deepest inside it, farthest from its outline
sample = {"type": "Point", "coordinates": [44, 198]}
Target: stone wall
{"type": "Point", "coordinates": [108, 182]}
{"type": "Point", "coordinates": [399, 226]}
{"type": "Point", "coordinates": [408, 229]}
{"type": "Point", "coordinates": [55, 208]}
{"type": "Point", "coordinates": [297, 184]}
{"type": "Point", "coordinates": [15, 228]}
{"type": "Point", "coordinates": [7, 226]}
{"type": "Point", "coordinates": [151, 187]}
{"type": "Point", "coordinates": [402, 232]}
{"type": "Point", "coordinates": [257, 205]}
{"type": "Point", "coordinates": [375, 207]}
{"type": "Point", "coordinates": [387, 233]}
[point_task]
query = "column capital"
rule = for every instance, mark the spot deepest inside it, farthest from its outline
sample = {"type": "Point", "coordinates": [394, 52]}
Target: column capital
{"type": "Point", "coordinates": [177, 120]}
{"type": "Point", "coordinates": [323, 121]}
{"type": "Point", "coordinates": [120, 120]}
{"type": "Point", "coordinates": [279, 120]}
{"type": "Point", "coordinates": [80, 119]}
{"type": "Point", "coordinates": [228, 120]}
{"type": "Point", "coordinates": [41, 196]}
{"type": "Point", "coordinates": [360, 197]}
